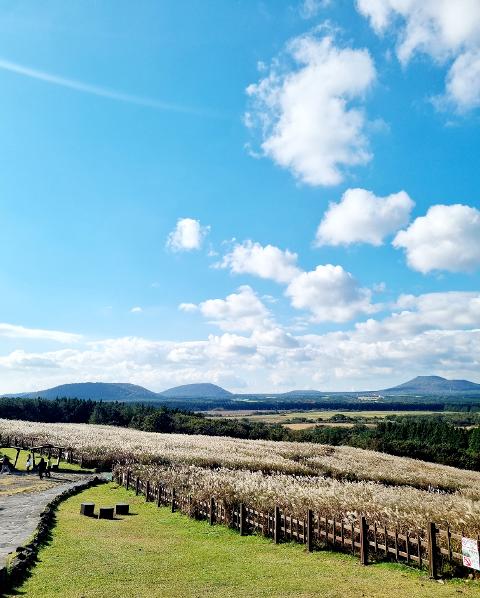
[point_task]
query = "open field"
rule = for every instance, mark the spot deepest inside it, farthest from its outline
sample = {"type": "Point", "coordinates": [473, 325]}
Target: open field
{"type": "Point", "coordinates": [341, 480]}
{"type": "Point", "coordinates": [308, 425]}
{"type": "Point", "coordinates": [155, 553]}
{"type": "Point", "coordinates": [108, 444]}
{"type": "Point", "coordinates": [313, 416]}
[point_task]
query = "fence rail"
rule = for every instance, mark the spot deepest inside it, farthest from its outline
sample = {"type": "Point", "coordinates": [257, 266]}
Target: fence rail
{"type": "Point", "coordinates": [436, 548]}
{"type": "Point", "coordinates": [19, 442]}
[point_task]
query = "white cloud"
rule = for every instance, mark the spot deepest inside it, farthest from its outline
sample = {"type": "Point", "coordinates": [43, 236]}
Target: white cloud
{"type": "Point", "coordinates": [311, 8]}
{"type": "Point", "coordinates": [187, 235]}
{"type": "Point", "coordinates": [306, 113]}
{"type": "Point", "coordinates": [238, 311]}
{"type": "Point", "coordinates": [445, 30]}
{"type": "Point", "coordinates": [362, 217]}
{"type": "Point", "coordinates": [188, 307]}
{"type": "Point", "coordinates": [414, 314]}
{"type": "Point", "coordinates": [463, 81]}
{"type": "Point", "coordinates": [267, 261]}
{"type": "Point", "coordinates": [446, 238]}
{"type": "Point", "coordinates": [432, 333]}
{"type": "Point", "coordinates": [13, 331]}
{"type": "Point", "coordinates": [136, 310]}
{"type": "Point", "coordinates": [330, 294]}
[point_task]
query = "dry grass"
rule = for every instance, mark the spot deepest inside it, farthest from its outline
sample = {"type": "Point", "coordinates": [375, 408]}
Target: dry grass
{"type": "Point", "coordinates": [19, 484]}
{"type": "Point", "coordinates": [108, 444]}
{"type": "Point", "coordinates": [341, 480]}
{"type": "Point", "coordinates": [404, 507]}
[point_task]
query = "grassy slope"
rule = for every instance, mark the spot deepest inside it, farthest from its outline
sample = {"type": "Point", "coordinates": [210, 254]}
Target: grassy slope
{"type": "Point", "coordinates": [22, 460]}
{"type": "Point", "coordinates": [155, 553]}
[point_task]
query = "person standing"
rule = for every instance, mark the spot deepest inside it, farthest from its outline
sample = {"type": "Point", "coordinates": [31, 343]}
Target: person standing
{"type": "Point", "coordinates": [29, 463]}
{"type": "Point", "coordinates": [6, 467]}
{"type": "Point", "coordinates": [41, 468]}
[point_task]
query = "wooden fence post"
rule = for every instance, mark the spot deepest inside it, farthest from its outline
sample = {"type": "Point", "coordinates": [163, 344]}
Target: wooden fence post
{"type": "Point", "coordinates": [363, 541]}
{"type": "Point", "coordinates": [211, 517]}
{"type": "Point", "coordinates": [173, 500]}
{"type": "Point", "coordinates": [190, 505]}
{"type": "Point", "coordinates": [432, 550]}
{"type": "Point", "coordinates": [242, 519]}
{"type": "Point", "coordinates": [310, 530]}
{"type": "Point", "coordinates": [137, 485]}
{"type": "Point", "coordinates": [127, 484]}
{"type": "Point", "coordinates": [277, 525]}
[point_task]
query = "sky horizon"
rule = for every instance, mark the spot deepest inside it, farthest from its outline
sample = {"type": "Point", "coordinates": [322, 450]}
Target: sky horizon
{"type": "Point", "coordinates": [261, 195]}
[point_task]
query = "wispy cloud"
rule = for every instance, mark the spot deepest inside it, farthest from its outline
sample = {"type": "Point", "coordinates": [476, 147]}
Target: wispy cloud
{"type": "Point", "coordinates": [14, 331]}
{"type": "Point", "coordinates": [96, 90]}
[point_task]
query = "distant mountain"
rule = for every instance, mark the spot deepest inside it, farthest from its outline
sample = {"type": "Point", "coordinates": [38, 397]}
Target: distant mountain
{"type": "Point", "coordinates": [97, 391]}
{"type": "Point", "coordinates": [196, 391]}
{"type": "Point", "coordinates": [302, 393]}
{"type": "Point", "coordinates": [433, 385]}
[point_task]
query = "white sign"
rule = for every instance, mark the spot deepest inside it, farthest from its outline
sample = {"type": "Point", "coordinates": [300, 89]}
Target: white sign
{"type": "Point", "coordinates": [470, 553]}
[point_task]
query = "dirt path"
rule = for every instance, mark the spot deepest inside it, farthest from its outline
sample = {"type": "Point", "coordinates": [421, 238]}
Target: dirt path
{"type": "Point", "coordinates": [28, 496]}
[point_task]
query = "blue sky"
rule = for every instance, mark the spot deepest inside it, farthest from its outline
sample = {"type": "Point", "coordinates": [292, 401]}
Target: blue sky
{"type": "Point", "coordinates": [266, 195]}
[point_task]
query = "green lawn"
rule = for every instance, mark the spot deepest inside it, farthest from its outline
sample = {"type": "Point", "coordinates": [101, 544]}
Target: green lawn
{"type": "Point", "coordinates": [155, 553]}
{"type": "Point", "coordinates": [22, 460]}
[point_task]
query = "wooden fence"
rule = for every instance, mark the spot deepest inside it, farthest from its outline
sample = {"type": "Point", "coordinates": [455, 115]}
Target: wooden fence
{"type": "Point", "coordinates": [437, 549]}
{"type": "Point", "coordinates": [48, 450]}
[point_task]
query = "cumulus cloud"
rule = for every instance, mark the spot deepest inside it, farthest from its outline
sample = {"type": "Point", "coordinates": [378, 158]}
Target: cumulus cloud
{"type": "Point", "coordinates": [237, 312]}
{"type": "Point", "coordinates": [267, 261]}
{"type": "Point", "coordinates": [415, 314]}
{"type": "Point", "coordinates": [308, 110]}
{"type": "Point", "coordinates": [330, 294]}
{"type": "Point", "coordinates": [446, 238]}
{"type": "Point", "coordinates": [448, 32]}
{"type": "Point", "coordinates": [431, 333]}
{"type": "Point", "coordinates": [136, 310]}
{"type": "Point", "coordinates": [362, 217]}
{"type": "Point", "coordinates": [187, 235]}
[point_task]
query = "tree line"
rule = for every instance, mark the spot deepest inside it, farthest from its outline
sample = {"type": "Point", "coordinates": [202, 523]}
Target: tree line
{"type": "Point", "coordinates": [432, 438]}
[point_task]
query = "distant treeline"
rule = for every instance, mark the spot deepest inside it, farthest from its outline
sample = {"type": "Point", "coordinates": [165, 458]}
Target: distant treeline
{"type": "Point", "coordinates": [431, 438]}
{"type": "Point", "coordinates": [135, 415]}
{"type": "Point", "coordinates": [341, 404]}
{"type": "Point", "coordinates": [423, 437]}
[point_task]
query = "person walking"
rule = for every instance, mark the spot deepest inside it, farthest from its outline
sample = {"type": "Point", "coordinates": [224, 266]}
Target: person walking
{"type": "Point", "coordinates": [6, 467]}
{"type": "Point", "coordinates": [41, 468]}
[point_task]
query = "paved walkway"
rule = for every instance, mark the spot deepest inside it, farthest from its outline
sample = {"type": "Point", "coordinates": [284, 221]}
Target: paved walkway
{"type": "Point", "coordinates": [20, 513]}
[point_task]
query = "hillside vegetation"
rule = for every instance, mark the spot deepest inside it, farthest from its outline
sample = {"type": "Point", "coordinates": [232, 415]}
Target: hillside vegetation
{"type": "Point", "coordinates": [345, 481]}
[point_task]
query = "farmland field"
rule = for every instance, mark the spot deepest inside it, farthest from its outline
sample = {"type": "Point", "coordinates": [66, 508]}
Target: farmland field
{"type": "Point", "coordinates": [315, 416]}
{"type": "Point", "coordinates": [343, 481]}
{"type": "Point", "coordinates": [156, 553]}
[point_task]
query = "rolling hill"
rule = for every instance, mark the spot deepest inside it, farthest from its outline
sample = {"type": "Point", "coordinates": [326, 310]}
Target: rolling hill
{"type": "Point", "coordinates": [197, 391]}
{"type": "Point", "coordinates": [111, 391]}
{"type": "Point", "coordinates": [433, 385]}
{"type": "Point", "coordinates": [97, 391]}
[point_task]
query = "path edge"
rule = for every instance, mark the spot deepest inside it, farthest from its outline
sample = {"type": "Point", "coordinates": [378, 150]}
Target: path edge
{"type": "Point", "coordinates": [26, 555]}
